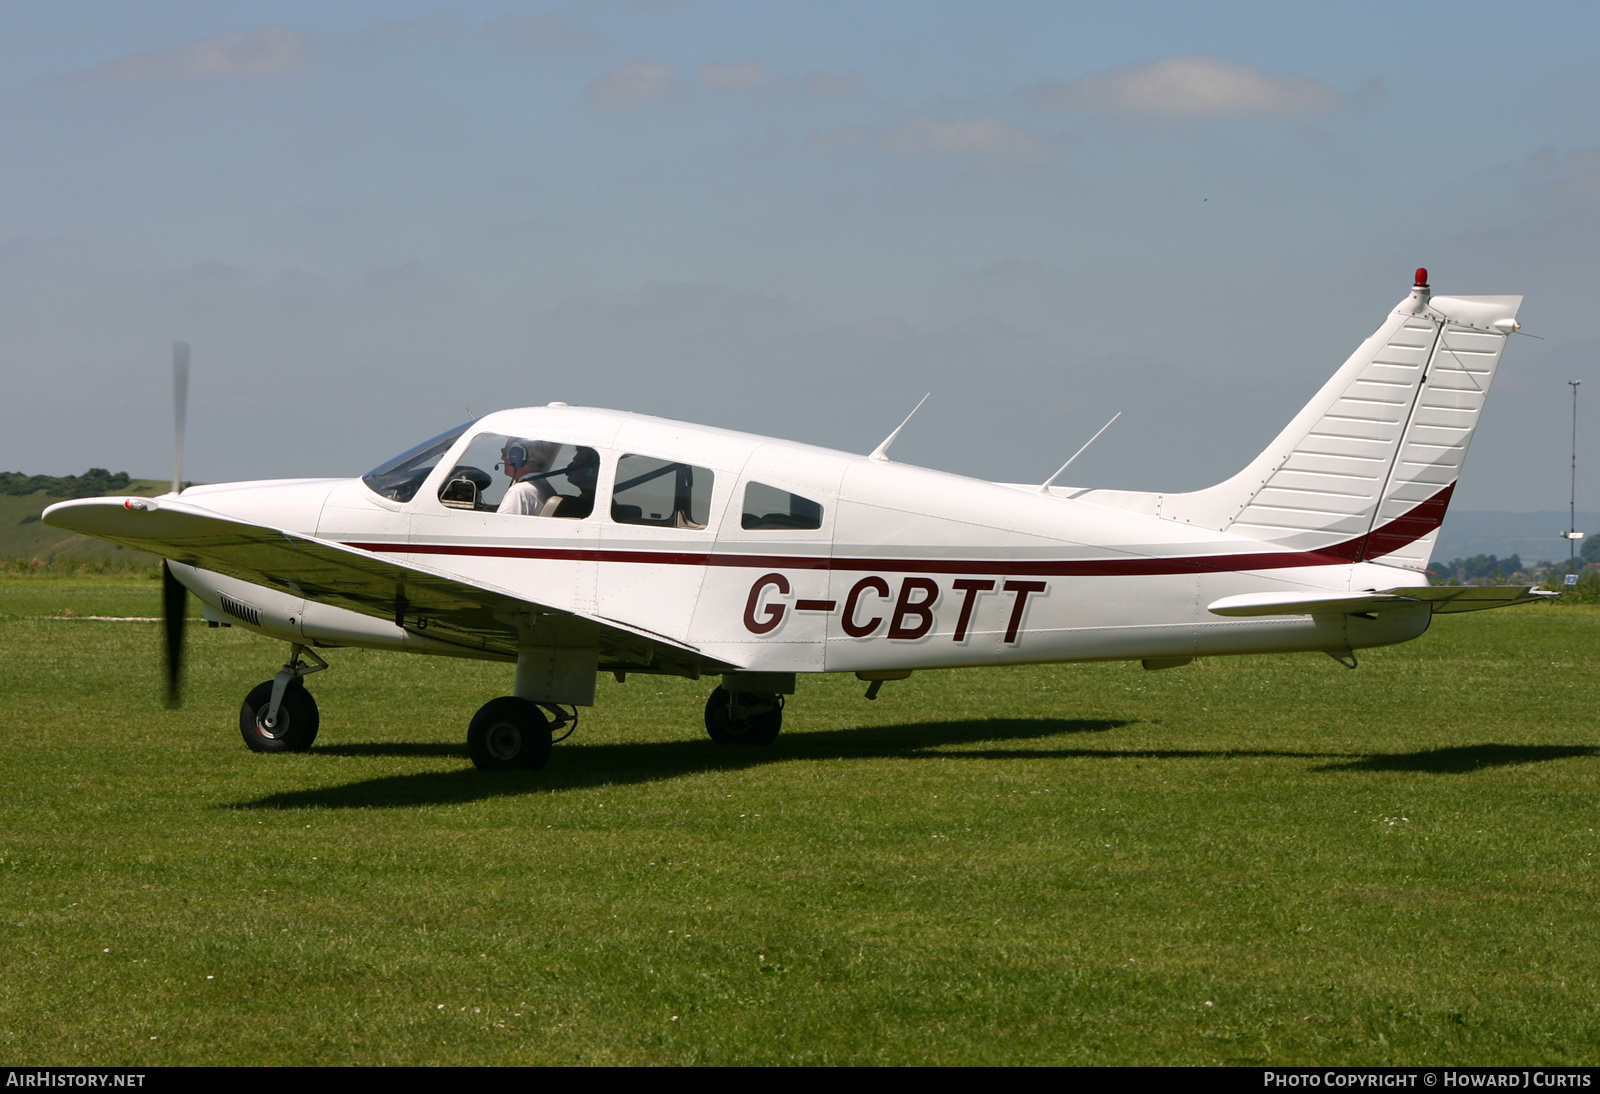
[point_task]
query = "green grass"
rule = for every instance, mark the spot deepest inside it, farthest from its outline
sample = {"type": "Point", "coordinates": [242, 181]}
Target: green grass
{"type": "Point", "coordinates": [1257, 860]}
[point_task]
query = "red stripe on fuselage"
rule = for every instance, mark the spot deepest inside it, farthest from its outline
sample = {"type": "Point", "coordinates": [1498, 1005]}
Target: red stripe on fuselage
{"type": "Point", "coordinates": [1406, 530]}
{"type": "Point", "coordinates": [1398, 533]}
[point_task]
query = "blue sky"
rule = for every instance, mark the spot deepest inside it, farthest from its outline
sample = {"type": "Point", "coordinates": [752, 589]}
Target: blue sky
{"type": "Point", "coordinates": [788, 218]}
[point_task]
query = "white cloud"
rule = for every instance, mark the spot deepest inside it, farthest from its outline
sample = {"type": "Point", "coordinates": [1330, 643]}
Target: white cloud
{"type": "Point", "coordinates": [984, 137]}
{"type": "Point", "coordinates": [754, 76]}
{"type": "Point", "coordinates": [1572, 179]}
{"type": "Point", "coordinates": [646, 7]}
{"type": "Point", "coordinates": [260, 51]}
{"type": "Point", "coordinates": [829, 85]}
{"type": "Point", "coordinates": [426, 28]}
{"type": "Point", "coordinates": [632, 84]}
{"type": "Point", "coordinates": [741, 76]}
{"type": "Point", "coordinates": [985, 143]}
{"type": "Point", "coordinates": [549, 32]}
{"type": "Point", "coordinates": [1189, 86]}
{"type": "Point", "coordinates": [838, 139]}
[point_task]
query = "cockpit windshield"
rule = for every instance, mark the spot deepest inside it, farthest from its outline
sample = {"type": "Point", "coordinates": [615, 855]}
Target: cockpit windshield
{"type": "Point", "coordinates": [400, 478]}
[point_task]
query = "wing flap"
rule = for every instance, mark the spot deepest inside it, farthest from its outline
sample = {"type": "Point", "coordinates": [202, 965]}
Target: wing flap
{"type": "Point", "coordinates": [427, 601]}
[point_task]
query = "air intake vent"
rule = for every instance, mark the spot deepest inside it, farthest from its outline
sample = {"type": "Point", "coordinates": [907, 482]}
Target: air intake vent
{"type": "Point", "coordinates": [242, 612]}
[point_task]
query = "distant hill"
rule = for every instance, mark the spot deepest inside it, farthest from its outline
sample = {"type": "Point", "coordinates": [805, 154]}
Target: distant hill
{"type": "Point", "coordinates": [24, 537]}
{"type": "Point", "coordinates": [1531, 535]}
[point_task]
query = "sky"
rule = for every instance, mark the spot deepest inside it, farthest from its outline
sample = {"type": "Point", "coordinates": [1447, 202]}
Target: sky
{"type": "Point", "coordinates": [372, 221]}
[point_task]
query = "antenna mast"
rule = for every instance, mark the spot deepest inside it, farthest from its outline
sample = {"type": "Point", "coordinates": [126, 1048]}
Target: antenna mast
{"type": "Point", "coordinates": [1573, 535]}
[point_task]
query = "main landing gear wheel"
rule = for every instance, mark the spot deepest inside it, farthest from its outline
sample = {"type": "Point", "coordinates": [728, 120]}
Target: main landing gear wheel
{"type": "Point", "coordinates": [292, 730]}
{"type": "Point", "coordinates": [739, 718]}
{"type": "Point", "coordinates": [509, 734]}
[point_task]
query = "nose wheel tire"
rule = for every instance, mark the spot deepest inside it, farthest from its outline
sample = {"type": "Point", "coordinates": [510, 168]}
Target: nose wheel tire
{"type": "Point", "coordinates": [509, 734]}
{"type": "Point", "coordinates": [292, 730]}
{"type": "Point", "coordinates": [738, 718]}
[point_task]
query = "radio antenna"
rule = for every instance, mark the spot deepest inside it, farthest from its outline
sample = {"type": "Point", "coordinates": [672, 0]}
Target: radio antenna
{"type": "Point", "coordinates": [1044, 487]}
{"type": "Point", "coordinates": [881, 453]}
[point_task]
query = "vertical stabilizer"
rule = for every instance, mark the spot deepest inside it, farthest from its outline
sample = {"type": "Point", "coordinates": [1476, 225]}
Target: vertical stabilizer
{"type": "Point", "coordinates": [1366, 470]}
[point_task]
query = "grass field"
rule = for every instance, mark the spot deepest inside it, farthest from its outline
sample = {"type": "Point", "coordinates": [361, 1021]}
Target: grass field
{"type": "Point", "coordinates": [1258, 860]}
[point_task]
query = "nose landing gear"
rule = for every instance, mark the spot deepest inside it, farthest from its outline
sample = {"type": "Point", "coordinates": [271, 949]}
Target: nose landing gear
{"type": "Point", "coordinates": [279, 715]}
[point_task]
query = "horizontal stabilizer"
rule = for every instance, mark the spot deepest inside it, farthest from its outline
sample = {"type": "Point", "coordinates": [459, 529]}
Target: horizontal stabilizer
{"type": "Point", "coordinates": [1475, 598]}
{"type": "Point", "coordinates": [1441, 598]}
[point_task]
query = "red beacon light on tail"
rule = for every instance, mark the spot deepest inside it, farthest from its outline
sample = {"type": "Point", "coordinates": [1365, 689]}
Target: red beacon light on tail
{"type": "Point", "coordinates": [1422, 277]}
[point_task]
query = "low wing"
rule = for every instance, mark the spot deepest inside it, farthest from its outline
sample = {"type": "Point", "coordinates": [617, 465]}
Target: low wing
{"type": "Point", "coordinates": [1442, 598]}
{"type": "Point", "coordinates": [420, 598]}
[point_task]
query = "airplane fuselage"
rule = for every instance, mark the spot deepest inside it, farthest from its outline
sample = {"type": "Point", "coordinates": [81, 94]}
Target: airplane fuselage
{"type": "Point", "coordinates": [907, 568]}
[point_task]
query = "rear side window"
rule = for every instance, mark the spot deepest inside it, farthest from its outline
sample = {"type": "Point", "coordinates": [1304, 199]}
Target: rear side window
{"type": "Point", "coordinates": [661, 493]}
{"type": "Point", "coordinates": [768, 507]}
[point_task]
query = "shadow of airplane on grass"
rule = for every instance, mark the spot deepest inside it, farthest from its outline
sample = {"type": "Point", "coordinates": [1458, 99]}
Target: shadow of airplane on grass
{"type": "Point", "coordinates": [1463, 758]}
{"type": "Point", "coordinates": [580, 766]}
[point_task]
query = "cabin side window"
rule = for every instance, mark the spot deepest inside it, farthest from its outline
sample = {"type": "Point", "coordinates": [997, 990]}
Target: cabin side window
{"type": "Point", "coordinates": [661, 493]}
{"type": "Point", "coordinates": [767, 507]}
{"type": "Point", "coordinates": [522, 476]}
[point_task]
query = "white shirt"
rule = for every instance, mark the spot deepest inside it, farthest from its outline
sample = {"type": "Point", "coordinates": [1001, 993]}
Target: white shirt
{"type": "Point", "coordinates": [526, 498]}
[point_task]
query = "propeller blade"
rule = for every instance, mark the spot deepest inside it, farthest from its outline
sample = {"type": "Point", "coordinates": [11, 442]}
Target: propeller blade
{"type": "Point", "coordinates": [180, 408]}
{"type": "Point", "coordinates": [174, 613]}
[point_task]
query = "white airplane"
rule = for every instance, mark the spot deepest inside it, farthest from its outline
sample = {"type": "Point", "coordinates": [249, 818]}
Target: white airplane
{"type": "Point", "coordinates": [573, 540]}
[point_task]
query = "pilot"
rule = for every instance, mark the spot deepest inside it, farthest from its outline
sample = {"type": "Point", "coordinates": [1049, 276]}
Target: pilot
{"type": "Point", "coordinates": [584, 473]}
{"type": "Point", "coordinates": [526, 463]}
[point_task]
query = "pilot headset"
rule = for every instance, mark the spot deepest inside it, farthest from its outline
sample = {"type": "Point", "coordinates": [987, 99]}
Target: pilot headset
{"type": "Point", "coordinates": [528, 454]}
{"type": "Point", "coordinates": [522, 453]}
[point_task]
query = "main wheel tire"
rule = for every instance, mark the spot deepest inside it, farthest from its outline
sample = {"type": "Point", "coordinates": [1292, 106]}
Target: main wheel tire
{"type": "Point", "coordinates": [741, 719]}
{"type": "Point", "coordinates": [295, 727]}
{"type": "Point", "coordinates": [509, 734]}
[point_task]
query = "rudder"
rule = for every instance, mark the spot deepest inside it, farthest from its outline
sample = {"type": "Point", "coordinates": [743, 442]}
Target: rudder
{"type": "Point", "coordinates": [1365, 471]}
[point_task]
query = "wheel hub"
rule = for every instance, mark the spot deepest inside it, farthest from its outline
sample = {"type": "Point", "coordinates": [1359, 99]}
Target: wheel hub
{"type": "Point", "coordinates": [503, 741]}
